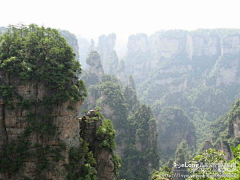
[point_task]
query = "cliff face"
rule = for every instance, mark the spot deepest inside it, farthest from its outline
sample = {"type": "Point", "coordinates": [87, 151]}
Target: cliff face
{"type": "Point", "coordinates": [14, 132]}
{"type": "Point", "coordinates": [72, 41]}
{"type": "Point", "coordinates": [187, 52]}
{"type": "Point", "coordinates": [198, 71]}
{"type": "Point", "coordinates": [40, 97]}
{"type": "Point", "coordinates": [83, 45]}
{"type": "Point", "coordinates": [105, 165]}
{"type": "Point", "coordinates": [173, 127]}
{"type": "Point", "coordinates": [95, 64]}
{"type": "Point", "coordinates": [107, 53]}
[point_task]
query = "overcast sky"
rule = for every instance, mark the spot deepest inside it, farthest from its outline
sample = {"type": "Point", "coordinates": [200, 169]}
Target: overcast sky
{"type": "Point", "coordinates": [92, 18]}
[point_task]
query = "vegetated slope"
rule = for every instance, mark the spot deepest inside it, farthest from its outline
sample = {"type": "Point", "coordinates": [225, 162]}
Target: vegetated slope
{"type": "Point", "coordinates": [226, 131]}
{"type": "Point", "coordinates": [198, 71]}
{"type": "Point", "coordinates": [136, 135]}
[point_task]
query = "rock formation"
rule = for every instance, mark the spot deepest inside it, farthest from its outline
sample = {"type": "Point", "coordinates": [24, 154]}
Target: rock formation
{"type": "Point", "coordinates": [83, 45]}
{"type": "Point", "coordinates": [173, 127]}
{"type": "Point", "coordinates": [72, 41]}
{"type": "Point", "coordinates": [90, 123]}
{"type": "Point", "coordinates": [107, 53]}
{"type": "Point", "coordinates": [40, 133]}
{"type": "Point", "coordinates": [95, 64]}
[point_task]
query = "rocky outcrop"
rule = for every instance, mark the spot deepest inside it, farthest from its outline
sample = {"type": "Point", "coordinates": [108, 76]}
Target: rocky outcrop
{"type": "Point", "coordinates": [16, 124]}
{"type": "Point", "coordinates": [84, 46]}
{"type": "Point", "coordinates": [95, 64]}
{"type": "Point", "coordinates": [224, 147]}
{"type": "Point", "coordinates": [185, 49]}
{"type": "Point", "coordinates": [173, 126]}
{"type": "Point", "coordinates": [107, 53]}
{"type": "Point", "coordinates": [13, 126]}
{"type": "Point", "coordinates": [40, 133]}
{"type": "Point", "coordinates": [206, 145]}
{"type": "Point", "coordinates": [90, 123]}
{"type": "Point", "coordinates": [121, 72]}
{"type": "Point", "coordinates": [3, 133]}
{"type": "Point", "coordinates": [138, 58]}
{"type": "Point", "coordinates": [72, 41]}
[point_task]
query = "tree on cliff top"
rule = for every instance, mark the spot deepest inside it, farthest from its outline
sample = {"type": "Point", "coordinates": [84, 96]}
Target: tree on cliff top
{"type": "Point", "coordinates": [41, 54]}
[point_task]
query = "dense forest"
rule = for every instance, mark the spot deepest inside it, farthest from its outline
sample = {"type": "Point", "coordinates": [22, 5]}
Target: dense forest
{"type": "Point", "coordinates": [71, 109]}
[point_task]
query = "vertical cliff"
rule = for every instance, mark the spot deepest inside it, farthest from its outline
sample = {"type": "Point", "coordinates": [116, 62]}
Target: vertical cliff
{"type": "Point", "coordinates": [107, 53]}
{"type": "Point", "coordinates": [40, 96]}
{"type": "Point", "coordinates": [94, 61]}
{"type": "Point", "coordinates": [99, 134]}
{"type": "Point", "coordinates": [197, 70]}
{"type": "Point", "coordinates": [83, 45]}
{"type": "Point", "coordinates": [72, 41]}
{"type": "Point", "coordinates": [173, 127]}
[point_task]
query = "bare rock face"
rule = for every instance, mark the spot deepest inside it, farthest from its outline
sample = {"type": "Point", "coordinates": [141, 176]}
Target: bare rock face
{"type": "Point", "coordinates": [23, 129]}
{"type": "Point", "coordinates": [205, 52]}
{"type": "Point", "coordinates": [205, 46]}
{"type": "Point", "coordinates": [44, 156]}
{"type": "Point", "coordinates": [90, 123]}
{"type": "Point", "coordinates": [173, 127]}
{"type": "Point", "coordinates": [121, 72]}
{"type": "Point", "coordinates": [236, 128]}
{"type": "Point", "coordinates": [138, 55]}
{"type": "Point", "coordinates": [207, 145]}
{"type": "Point", "coordinates": [84, 46]}
{"type": "Point", "coordinates": [13, 125]}
{"type": "Point", "coordinates": [225, 147]}
{"type": "Point", "coordinates": [3, 133]}
{"type": "Point", "coordinates": [94, 62]}
{"type": "Point", "coordinates": [107, 53]}
{"type": "Point", "coordinates": [72, 41]}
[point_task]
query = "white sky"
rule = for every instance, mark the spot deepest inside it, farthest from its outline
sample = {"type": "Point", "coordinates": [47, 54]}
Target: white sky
{"type": "Point", "coordinates": [92, 18]}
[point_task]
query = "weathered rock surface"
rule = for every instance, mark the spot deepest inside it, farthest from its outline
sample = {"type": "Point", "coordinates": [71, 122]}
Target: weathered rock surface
{"type": "Point", "coordinates": [95, 64]}
{"type": "Point", "coordinates": [72, 41]}
{"type": "Point", "coordinates": [68, 131]}
{"type": "Point", "coordinates": [107, 53]}
{"type": "Point", "coordinates": [13, 125]}
{"type": "Point", "coordinates": [173, 126]}
{"type": "Point", "coordinates": [105, 165]}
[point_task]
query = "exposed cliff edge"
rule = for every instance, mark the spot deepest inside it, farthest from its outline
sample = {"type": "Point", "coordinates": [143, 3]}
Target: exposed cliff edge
{"type": "Point", "coordinates": [41, 136]}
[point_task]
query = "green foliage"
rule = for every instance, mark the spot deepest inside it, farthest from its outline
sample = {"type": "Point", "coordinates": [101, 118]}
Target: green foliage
{"type": "Point", "coordinates": [93, 57]}
{"type": "Point", "coordinates": [13, 157]}
{"type": "Point", "coordinates": [77, 170]}
{"type": "Point", "coordinates": [182, 154]}
{"type": "Point", "coordinates": [217, 157]}
{"type": "Point", "coordinates": [105, 134]}
{"type": "Point", "coordinates": [236, 160]}
{"type": "Point", "coordinates": [164, 174]}
{"type": "Point", "coordinates": [210, 158]}
{"type": "Point", "coordinates": [7, 94]}
{"type": "Point", "coordinates": [117, 163]}
{"type": "Point", "coordinates": [43, 55]}
{"type": "Point", "coordinates": [135, 160]}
